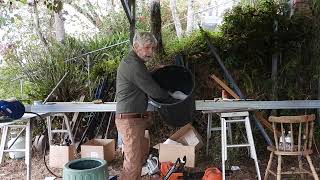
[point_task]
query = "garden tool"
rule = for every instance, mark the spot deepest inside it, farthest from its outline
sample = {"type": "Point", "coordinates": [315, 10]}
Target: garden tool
{"type": "Point", "coordinates": [153, 165]}
{"type": "Point", "coordinates": [177, 167]}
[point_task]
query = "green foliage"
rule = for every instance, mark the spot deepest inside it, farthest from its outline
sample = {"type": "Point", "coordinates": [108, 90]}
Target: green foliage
{"type": "Point", "coordinates": [55, 5]}
{"type": "Point", "coordinates": [115, 23]}
{"type": "Point", "coordinates": [315, 4]}
{"type": "Point", "coordinates": [249, 37]}
{"type": "Point", "coordinates": [106, 61]}
{"type": "Point", "coordinates": [188, 45]}
{"type": "Point", "coordinates": [44, 70]}
{"type": "Point", "coordinates": [9, 87]}
{"type": "Point", "coordinates": [252, 35]}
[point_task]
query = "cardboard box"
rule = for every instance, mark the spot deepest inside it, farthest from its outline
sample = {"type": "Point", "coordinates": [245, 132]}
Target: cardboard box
{"type": "Point", "coordinates": [60, 155]}
{"type": "Point", "coordinates": [184, 142]}
{"type": "Point", "coordinates": [188, 135]}
{"type": "Point", "coordinates": [171, 152]}
{"type": "Point", "coordinates": [99, 148]}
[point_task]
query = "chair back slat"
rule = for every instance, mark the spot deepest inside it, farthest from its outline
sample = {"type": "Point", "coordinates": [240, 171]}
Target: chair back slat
{"type": "Point", "coordinates": [310, 135]}
{"type": "Point", "coordinates": [292, 119]}
{"type": "Point", "coordinates": [306, 135]}
{"type": "Point", "coordinates": [291, 137]}
{"type": "Point", "coordinates": [301, 132]}
{"type": "Point", "coordinates": [299, 137]}
{"type": "Point", "coordinates": [275, 135]}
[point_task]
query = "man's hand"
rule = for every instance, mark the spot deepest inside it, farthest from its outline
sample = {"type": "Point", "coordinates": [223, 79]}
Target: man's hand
{"type": "Point", "coordinates": [178, 95]}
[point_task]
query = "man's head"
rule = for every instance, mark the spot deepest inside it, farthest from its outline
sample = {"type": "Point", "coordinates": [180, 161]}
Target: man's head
{"type": "Point", "coordinates": [144, 44]}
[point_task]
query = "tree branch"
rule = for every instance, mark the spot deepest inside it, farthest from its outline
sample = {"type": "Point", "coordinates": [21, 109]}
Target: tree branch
{"type": "Point", "coordinates": [37, 25]}
{"type": "Point", "coordinates": [93, 17]}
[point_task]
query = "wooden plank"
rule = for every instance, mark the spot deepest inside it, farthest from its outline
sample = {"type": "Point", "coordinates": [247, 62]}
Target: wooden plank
{"type": "Point", "coordinates": [224, 86]}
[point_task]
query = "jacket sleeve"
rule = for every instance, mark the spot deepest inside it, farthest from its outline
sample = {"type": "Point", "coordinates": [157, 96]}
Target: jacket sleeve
{"type": "Point", "coordinates": [142, 78]}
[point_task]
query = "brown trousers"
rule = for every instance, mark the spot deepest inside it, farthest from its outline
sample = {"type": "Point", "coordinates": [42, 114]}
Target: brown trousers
{"type": "Point", "coordinates": [135, 146]}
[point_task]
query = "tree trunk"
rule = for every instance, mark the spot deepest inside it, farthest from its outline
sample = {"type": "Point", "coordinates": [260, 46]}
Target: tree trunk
{"type": "Point", "coordinates": [156, 24]}
{"type": "Point", "coordinates": [274, 78]}
{"type": "Point", "coordinates": [59, 26]}
{"type": "Point", "coordinates": [318, 110]}
{"type": "Point", "coordinates": [37, 24]}
{"type": "Point", "coordinates": [133, 20]}
{"type": "Point", "coordinates": [175, 17]}
{"type": "Point", "coordinates": [190, 17]}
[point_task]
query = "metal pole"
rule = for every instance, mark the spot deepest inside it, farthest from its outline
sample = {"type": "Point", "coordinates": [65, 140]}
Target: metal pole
{"type": "Point", "coordinates": [65, 75]}
{"type": "Point", "coordinates": [89, 82]}
{"type": "Point", "coordinates": [213, 50]}
{"type": "Point", "coordinates": [21, 87]}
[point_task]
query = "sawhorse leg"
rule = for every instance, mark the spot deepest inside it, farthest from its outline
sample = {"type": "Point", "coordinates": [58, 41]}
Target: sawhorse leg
{"type": "Point", "coordinates": [4, 140]}
{"type": "Point", "coordinates": [209, 132]}
{"type": "Point", "coordinates": [28, 149]}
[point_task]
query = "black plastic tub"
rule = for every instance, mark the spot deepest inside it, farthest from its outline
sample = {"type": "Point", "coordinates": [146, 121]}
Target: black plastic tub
{"type": "Point", "coordinates": [175, 78]}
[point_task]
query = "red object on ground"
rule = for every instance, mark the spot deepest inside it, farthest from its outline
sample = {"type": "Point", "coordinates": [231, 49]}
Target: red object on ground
{"type": "Point", "coordinates": [165, 167]}
{"type": "Point", "coordinates": [212, 174]}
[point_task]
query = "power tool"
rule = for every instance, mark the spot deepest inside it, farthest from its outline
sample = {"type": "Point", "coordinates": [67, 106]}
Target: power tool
{"type": "Point", "coordinates": [11, 110]}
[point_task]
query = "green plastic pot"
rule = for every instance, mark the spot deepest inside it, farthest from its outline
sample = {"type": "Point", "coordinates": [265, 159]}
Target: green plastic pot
{"type": "Point", "coordinates": [86, 169]}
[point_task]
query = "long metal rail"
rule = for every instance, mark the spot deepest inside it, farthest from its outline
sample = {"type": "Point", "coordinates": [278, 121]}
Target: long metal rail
{"type": "Point", "coordinates": [201, 105]}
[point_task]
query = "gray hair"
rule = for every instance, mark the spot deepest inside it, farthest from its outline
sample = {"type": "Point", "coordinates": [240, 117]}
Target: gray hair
{"type": "Point", "coordinates": [143, 37]}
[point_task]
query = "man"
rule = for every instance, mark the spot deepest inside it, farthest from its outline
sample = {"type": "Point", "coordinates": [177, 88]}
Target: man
{"type": "Point", "coordinates": [134, 85]}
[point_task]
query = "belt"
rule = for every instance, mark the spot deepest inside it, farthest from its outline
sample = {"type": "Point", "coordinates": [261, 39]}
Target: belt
{"type": "Point", "coordinates": [130, 115]}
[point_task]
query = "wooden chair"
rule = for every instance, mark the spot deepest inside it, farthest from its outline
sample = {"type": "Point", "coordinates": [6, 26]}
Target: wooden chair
{"type": "Point", "coordinates": [301, 128]}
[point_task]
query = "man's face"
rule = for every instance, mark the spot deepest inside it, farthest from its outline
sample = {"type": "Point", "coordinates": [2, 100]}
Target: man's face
{"type": "Point", "coordinates": [145, 50]}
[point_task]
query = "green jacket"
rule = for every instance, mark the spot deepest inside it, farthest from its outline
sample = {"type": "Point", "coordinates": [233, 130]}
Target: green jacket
{"type": "Point", "coordinates": [134, 85]}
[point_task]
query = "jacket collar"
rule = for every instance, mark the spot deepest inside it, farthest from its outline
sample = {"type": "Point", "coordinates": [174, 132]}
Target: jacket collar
{"type": "Point", "coordinates": [135, 56]}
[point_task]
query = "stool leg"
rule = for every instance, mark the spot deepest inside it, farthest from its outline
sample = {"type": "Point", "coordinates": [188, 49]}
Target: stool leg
{"type": "Point", "coordinates": [279, 167]}
{"type": "Point", "coordinates": [4, 140]}
{"type": "Point", "coordinates": [67, 122]}
{"type": "Point", "coordinates": [301, 167]}
{"type": "Point", "coordinates": [223, 147]}
{"type": "Point", "coordinates": [230, 132]}
{"type": "Point", "coordinates": [225, 137]}
{"type": "Point", "coordinates": [252, 147]}
{"type": "Point", "coordinates": [28, 150]}
{"type": "Point", "coordinates": [208, 132]}
{"type": "Point", "coordinates": [49, 130]}
{"type": "Point", "coordinates": [313, 170]}
{"type": "Point", "coordinates": [266, 175]}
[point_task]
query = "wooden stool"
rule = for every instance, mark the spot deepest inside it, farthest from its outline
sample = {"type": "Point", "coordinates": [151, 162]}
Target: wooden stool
{"type": "Point", "coordinates": [301, 128]}
{"type": "Point", "coordinates": [237, 117]}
